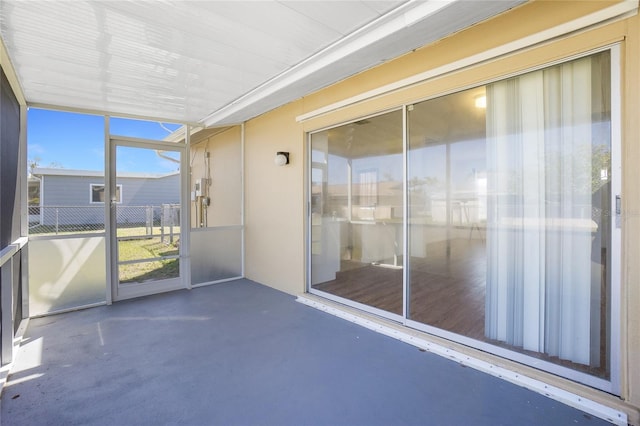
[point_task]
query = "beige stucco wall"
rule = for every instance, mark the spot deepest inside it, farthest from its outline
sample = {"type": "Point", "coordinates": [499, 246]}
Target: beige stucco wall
{"type": "Point", "coordinates": [224, 178]}
{"type": "Point", "coordinates": [275, 196]}
{"type": "Point", "coordinates": [630, 314]}
{"type": "Point", "coordinates": [274, 203]}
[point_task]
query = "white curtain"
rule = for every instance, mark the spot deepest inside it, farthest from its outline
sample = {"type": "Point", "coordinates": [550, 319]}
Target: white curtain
{"type": "Point", "coordinates": [539, 229]}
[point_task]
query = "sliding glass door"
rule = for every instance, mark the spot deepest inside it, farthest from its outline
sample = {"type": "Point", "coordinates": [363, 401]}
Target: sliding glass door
{"type": "Point", "coordinates": [511, 237]}
{"type": "Point", "coordinates": [511, 224]}
{"type": "Point", "coordinates": [447, 196]}
{"type": "Point", "coordinates": [357, 210]}
{"type": "Point", "coordinates": [549, 240]}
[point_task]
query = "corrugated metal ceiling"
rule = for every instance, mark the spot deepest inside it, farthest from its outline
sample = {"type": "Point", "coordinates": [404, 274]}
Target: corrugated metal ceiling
{"type": "Point", "coordinates": [213, 62]}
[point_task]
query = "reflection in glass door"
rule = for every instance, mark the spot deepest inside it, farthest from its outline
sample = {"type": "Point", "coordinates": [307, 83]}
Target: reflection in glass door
{"type": "Point", "coordinates": [511, 228]}
{"type": "Point", "coordinates": [511, 237]}
{"type": "Point", "coordinates": [357, 212]}
{"type": "Point", "coordinates": [146, 204]}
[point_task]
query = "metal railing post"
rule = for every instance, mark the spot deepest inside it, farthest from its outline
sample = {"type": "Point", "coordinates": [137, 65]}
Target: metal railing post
{"type": "Point", "coordinates": [149, 213]}
{"type": "Point", "coordinates": [6, 302]}
{"type": "Point", "coordinates": [171, 224]}
{"type": "Point", "coordinates": [161, 223]}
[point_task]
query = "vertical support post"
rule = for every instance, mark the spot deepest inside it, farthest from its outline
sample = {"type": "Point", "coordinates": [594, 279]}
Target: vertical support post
{"type": "Point", "coordinates": [23, 170]}
{"type": "Point", "coordinates": [6, 304]}
{"type": "Point", "coordinates": [242, 197]}
{"type": "Point", "coordinates": [349, 188]}
{"type": "Point", "coordinates": [185, 217]}
{"type": "Point", "coordinates": [148, 222]}
{"type": "Point", "coordinates": [162, 223]}
{"type": "Point", "coordinates": [171, 224]}
{"type": "Point", "coordinates": [109, 220]}
{"type": "Point", "coordinates": [406, 247]}
{"type": "Point", "coordinates": [24, 258]}
{"type": "Point", "coordinates": [24, 206]}
{"type": "Point", "coordinates": [57, 219]}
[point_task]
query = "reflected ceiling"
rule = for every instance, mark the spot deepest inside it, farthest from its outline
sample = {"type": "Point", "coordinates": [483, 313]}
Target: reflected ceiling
{"type": "Point", "coordinates": [444, 120]}
{"type": "Point", "coordinates": [212, 62]}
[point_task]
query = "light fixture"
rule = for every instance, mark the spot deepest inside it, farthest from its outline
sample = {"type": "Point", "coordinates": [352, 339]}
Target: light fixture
{"type": "Point", "coordinates": [481, 101]}
{"type": "Point", "coordinates": [282, 158]}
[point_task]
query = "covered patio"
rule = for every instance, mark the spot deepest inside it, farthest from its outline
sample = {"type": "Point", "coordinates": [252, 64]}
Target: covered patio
{"type": "Point", "coordinates": [240, 353]}
{"type": "Point", "coordinates": [455, 281]}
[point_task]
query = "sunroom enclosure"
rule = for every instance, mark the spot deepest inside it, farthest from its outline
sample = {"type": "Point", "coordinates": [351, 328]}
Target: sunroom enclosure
{"type": "Point", "coordinates": [118, 231]}
{"type": "Point", "coordinates": [485, 216]}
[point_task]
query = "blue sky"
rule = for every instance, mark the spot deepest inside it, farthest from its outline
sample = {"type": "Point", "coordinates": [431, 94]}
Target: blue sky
{"type": "Point", "coordinates": [76, 141]}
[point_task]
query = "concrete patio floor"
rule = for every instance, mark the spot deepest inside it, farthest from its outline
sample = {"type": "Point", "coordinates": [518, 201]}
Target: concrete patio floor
{"type": "Point", "coordinates": [240, 353]}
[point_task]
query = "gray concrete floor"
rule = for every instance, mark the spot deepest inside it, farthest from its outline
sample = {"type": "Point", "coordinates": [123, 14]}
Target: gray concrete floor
{"type": "Point", "coordinates": [242, 354]}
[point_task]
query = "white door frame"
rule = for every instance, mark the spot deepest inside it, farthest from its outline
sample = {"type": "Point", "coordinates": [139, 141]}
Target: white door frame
{"type": "Point", "coordinates": [116, 291]}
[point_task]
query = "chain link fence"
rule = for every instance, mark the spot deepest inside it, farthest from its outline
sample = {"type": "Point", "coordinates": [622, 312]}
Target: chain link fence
{"type": "Point", "coordinates": [132, 221]}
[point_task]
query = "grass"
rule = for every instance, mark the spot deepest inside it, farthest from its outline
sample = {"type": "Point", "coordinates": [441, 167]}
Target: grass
{"type": "Point", "coordinates": [42, 230]}
{"type": "Point", "coordinates": [133, 244]}
{"type": "Point", "coordinates": [147, 248]}
{"type": "Point", "coordinates": [48, 230]}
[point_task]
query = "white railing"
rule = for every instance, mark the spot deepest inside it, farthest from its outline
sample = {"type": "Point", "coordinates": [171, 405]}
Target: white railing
{"type": "Point", "coordinates": [8, 256]}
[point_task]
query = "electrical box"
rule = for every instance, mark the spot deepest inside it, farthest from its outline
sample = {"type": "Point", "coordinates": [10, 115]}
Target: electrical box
{"type": "Point", "coordinates": [198, 187]}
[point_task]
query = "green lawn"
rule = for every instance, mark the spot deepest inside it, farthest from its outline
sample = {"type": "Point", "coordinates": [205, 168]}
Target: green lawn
{"type": "Point", "coordinates": [133, 244]}
{"type": "Point", "coordinates": [147, 248]}
{"type": "Point", "coordinates": [48, 230]}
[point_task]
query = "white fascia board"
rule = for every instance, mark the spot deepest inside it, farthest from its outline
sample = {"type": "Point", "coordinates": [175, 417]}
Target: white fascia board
{"type": "Point", "coordinates": [403, 16]}
{"type": "Point", "coordinates": [622, 9]}
{"type": "Point", "coordinates": [179, 134]}
{"type": "Point", "coordinates": [109, 113]}
{"type": "Point", "coordinates": [49, 171]}
{"type": "Point", "coordinates": [44, 171]}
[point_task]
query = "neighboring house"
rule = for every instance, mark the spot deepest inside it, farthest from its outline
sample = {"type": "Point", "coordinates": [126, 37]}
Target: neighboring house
{"type": "Point", "coordinates": [76, 197]}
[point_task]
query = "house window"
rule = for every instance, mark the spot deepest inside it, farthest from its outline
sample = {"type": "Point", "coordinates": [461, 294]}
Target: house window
{"type": "Point", "coordinates": [97, 193]}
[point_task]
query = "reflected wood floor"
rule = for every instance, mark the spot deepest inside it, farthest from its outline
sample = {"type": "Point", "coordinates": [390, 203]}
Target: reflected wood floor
{"type": "Point", "coordinates": [447, 291]}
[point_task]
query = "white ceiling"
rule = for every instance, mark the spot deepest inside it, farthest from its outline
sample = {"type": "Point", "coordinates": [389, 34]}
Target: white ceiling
{"type": "Point", "coordinates": [212, 62]}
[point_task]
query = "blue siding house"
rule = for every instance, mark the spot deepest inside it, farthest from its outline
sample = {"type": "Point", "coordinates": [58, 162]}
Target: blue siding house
{"type": "Point", "coordinates": [68, 197]}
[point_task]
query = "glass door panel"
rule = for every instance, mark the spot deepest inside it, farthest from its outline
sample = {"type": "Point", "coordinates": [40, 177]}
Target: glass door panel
{"type": "Point", "coordinates": [448, 213]}
{"type": "Point", "coordinates": [510, 219]}
{"type": "Point", "coordinates": [357, 212]}
{"type": "Point", "coordinates": [147, 218]}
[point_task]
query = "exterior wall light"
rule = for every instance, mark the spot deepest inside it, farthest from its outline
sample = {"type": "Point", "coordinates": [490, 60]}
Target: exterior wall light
{"type": "Point", "coordinates": [282, 158]}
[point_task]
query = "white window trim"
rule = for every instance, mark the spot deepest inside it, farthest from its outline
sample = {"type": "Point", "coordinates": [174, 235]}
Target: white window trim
{"type": "Point", "coordinates": [92, 185]}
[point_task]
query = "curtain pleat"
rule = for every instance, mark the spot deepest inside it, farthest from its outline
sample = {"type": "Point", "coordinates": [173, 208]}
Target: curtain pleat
{"type": "Point", "coordinates": [539, 211]}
